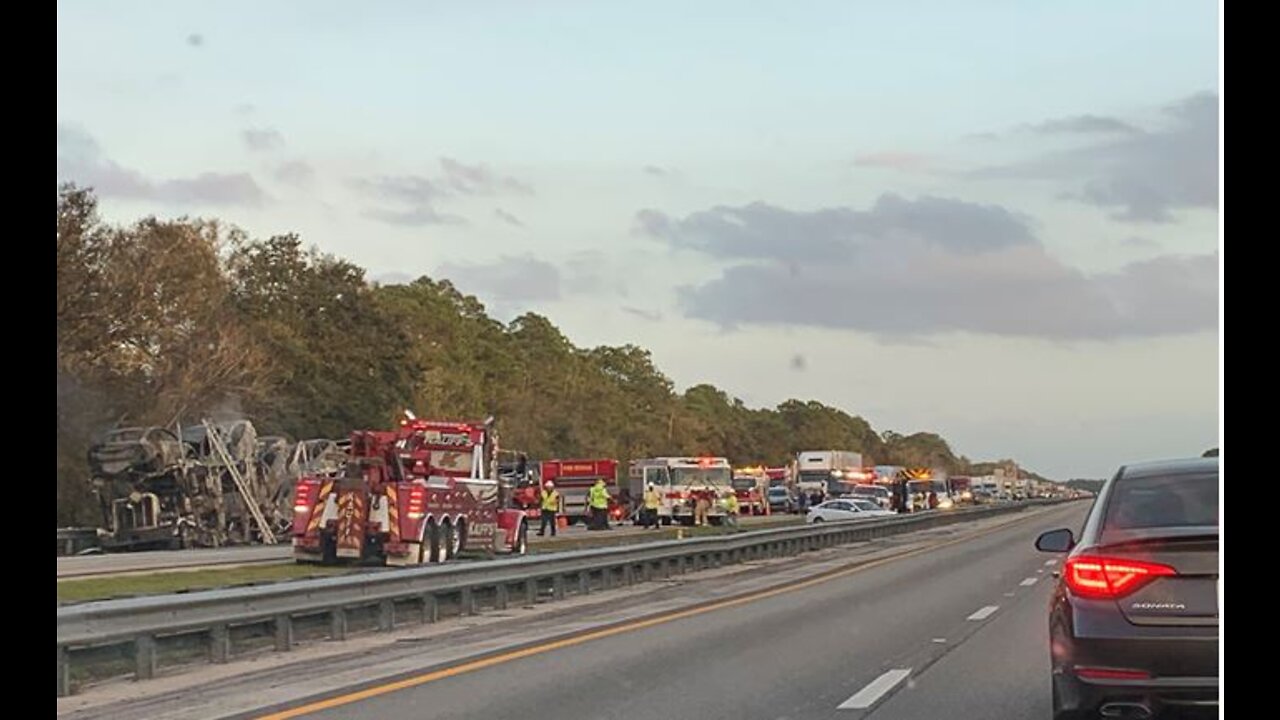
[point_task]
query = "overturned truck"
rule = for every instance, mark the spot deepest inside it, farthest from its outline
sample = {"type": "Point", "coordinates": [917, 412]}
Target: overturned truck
{"type": "Point", "coordinates": [206, 485]}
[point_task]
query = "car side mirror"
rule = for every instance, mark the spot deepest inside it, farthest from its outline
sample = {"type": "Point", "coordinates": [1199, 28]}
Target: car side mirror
{"type": "Point", "coordinates": [1056, 541]}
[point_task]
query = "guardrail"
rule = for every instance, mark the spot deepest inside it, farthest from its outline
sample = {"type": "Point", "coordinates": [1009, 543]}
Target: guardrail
{"type": "Point", "coordinates": [141, 625]}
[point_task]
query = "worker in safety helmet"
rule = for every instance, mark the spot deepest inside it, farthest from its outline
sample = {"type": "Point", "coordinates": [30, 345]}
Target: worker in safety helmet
{"type": "Point", "coordinates": [550, 506]}
{"type": "Point", "coordinates": [652, 500]}
{"type": "Point", "coordinates": [598, 502]}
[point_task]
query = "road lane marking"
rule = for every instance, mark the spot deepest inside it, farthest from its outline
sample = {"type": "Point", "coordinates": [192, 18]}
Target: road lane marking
{"type": "Point", "coordinates": [984, 613]}
{"type": "Point", "coordinates": [1028, 582]}
{"type": "Point", "coordinates": [940, 641]}
{"type": "Point", "coordinates": [1009, 594]}
{"type": "Point", "coordinates": [867, 696]}
{"type": "Point", "coordinates": [315, 706]}
{"type": "Point", "coordinates": [1050, 563]}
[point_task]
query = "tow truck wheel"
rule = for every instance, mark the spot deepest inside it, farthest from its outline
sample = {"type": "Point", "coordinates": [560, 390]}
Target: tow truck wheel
{"type": "Point", "coordinates": [521, 545]}
{"type": "Point", "coordinates": [435, 544]}
{"type": "Point", "coordinates": [446, 542]}
{"type": "Point", "coordinates": [457, 538]}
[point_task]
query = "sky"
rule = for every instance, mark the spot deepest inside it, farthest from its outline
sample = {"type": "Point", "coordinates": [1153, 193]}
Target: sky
{"type": "Point", "coordinates": [998, 221]}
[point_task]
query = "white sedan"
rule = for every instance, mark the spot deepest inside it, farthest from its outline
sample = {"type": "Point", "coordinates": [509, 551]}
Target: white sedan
{"type": "Point", "coordinates": [846, 509]}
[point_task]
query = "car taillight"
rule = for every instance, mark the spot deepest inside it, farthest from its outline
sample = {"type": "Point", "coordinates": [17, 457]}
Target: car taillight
{"type": "Point", "coordinates": [680, 495]}
{"type": "Point", "coordinates": [417, 502]}
{"type": "Point", "coordinates": [1102, 577]}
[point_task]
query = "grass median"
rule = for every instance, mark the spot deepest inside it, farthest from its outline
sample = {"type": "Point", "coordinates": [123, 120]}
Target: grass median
{"type": "Point", "coordinates": [73, 590]}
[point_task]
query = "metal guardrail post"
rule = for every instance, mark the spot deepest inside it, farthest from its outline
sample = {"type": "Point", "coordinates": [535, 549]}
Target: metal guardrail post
{"type": "Point", "coordinates": [64, 672]}
{"type": "Point", "coordinates": [338, 624]}
{"type": "Point", "coordinates": [386, 615]}
{"type": "Point", "coordinates": [220, 644]}
{"type": "Point", "coordinates": [430, 608]}
{"type": "Point", "coordinates": [284, 633]}
{"type": "Point", "coordinates": [144, 657]}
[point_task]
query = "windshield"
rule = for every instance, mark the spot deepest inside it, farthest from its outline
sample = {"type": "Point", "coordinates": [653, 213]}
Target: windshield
{"type": "Point", "coordinates": [700, 476]}
{"type": "Point", "coordinates": [465, 258]}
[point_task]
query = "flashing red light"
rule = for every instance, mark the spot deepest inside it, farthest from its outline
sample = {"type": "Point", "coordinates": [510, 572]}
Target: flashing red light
{"type": "Point", "coordinates": [1110, 578]}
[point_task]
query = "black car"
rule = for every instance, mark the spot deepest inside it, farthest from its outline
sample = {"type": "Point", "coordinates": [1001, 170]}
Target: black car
{"type": "Point", "coordinates": [1133, 627]}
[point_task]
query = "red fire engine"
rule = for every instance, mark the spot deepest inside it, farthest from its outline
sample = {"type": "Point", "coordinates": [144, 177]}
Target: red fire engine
{"type": "Point", "coordinates": [573, 478]}
{"type": "Point", "coordinates": [409, 496]}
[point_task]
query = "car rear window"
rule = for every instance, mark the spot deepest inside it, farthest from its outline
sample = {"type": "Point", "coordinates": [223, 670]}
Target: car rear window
{"type": "Point", "coordinates": [1163, 501]}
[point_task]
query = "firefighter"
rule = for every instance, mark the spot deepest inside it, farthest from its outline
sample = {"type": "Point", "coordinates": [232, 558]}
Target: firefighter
{"type": "Point", "coordinates": [550, 507]}
{"type": "Point", "coordinates": [598, 499]}
{"type": "Point", "coordinates": [651, 502]}
{"type": "Point", "coordinates": [701, 505]}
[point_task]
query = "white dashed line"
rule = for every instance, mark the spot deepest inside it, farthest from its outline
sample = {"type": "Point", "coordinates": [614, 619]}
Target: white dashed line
{"type": "Point", "coordinates": [867, 696]}
{"type": "Point", "coordinates": [984, 613]}
{"type": "Point", "coordinates": [1028, 582]}
{"type": "Point", "coordinates": [940, 641]}
{"type": "Point", "coordinates": [1050, 563]}
{"type": "Point", "coordinates": [1009, 594]}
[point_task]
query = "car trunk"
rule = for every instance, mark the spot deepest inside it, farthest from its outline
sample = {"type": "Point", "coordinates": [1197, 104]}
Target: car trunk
{"type": "Point", "coordinates": [1189, 598]}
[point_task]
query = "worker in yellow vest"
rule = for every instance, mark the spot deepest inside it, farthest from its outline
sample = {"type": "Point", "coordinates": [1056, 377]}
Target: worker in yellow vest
{"type": "Point", "coordinates": [598, 500]}
{"type": "Point", "coordinates": [549, 508]}
{"type": "Point", "coordinates": [652, 501]}
{"type": "Point", "coordinates": [731, 509]}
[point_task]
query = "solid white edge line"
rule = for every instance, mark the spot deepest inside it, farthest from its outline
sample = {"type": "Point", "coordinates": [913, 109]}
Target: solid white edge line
{"type": "Point", "coordinates": [984, 613]}
{"type": "Point", "coordinates": [876, 689]}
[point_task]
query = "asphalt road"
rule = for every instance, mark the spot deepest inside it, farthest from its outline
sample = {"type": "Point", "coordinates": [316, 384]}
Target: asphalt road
{"type": "Point", "coordinates": [954, 632]}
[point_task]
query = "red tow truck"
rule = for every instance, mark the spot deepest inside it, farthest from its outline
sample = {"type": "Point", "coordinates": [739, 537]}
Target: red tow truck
{"type": "Point", "coordinates": [418, 494]}
{"type": "Point", "coordinates": [573, 478]}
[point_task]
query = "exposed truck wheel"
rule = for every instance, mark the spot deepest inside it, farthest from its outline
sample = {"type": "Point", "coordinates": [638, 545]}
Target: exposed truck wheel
{"type": "Point", "coordinates": [521, 544]}
{"type": "Point", "coordinates": [436, 546]}
{"type": "Point", "coordinates": [461, 539]}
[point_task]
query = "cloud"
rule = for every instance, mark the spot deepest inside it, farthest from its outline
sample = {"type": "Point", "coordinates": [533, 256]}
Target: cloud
{"type": "Point", "coordinates": [507, 217]}
{"type": "Point", "coordinates": [415, 217]}
{"type": "Point", "coordinates": [418, 194]}
{"type": "Point", "coordinates": [299, 173]}
{"type": "Point", "coordinates": [763, 231]}
{"type": "Point", "coordinates": [1142, 176]}
{"type": "Point", "coordinates": [1085, 124]}
{"type": "Point", "coordinates": [650, 315]}
{"type": "Point", "coordinates": [81, 160]}
{"type": "Point", "coordinates": [915, 268]}
{"type": "Point", "coordinates": [263, 139]}
{"type": "Point", "coordinates": [892, 160]}
{"type": "Point", "coordinates": [507, 280]}
{"type": "Point", "coordinates": [479, 179]}
{"type": "Point", "coordinates": [195, 40]}
{"type": "Point", "coordinates": [656, 171]}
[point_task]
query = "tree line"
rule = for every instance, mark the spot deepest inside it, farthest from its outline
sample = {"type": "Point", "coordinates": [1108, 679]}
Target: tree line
{"type": "Point", "coordinates": [166, 320]}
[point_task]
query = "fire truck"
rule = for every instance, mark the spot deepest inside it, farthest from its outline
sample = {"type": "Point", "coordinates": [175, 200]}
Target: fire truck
{"type": "Point", "coordinates": [418, 494]}
{"type": "Point", "coordinates": [573, 478]}
{"type": "Point", "coordinates": [682, 481]}
{"type": "Point", "coordinates": [750, 485]}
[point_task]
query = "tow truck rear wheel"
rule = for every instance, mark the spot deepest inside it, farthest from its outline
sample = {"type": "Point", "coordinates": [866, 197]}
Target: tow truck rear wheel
{"type": "Point", "coordinates": [521, 544]}
{"type": "Point", "coordinates": [435, 544]}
